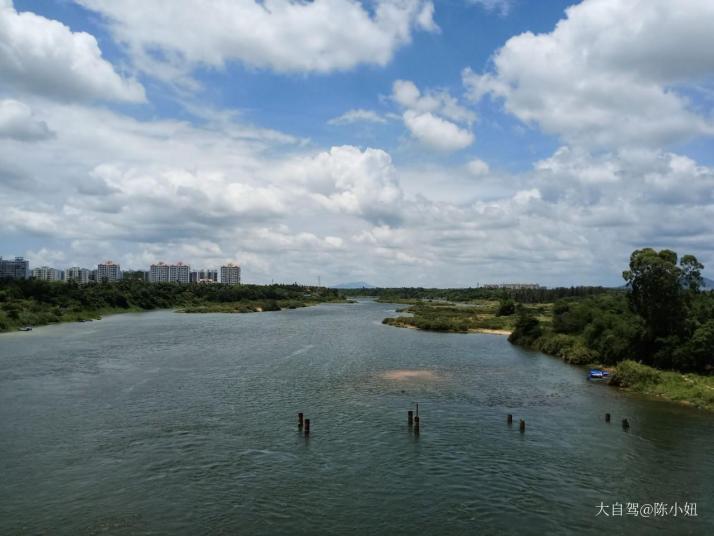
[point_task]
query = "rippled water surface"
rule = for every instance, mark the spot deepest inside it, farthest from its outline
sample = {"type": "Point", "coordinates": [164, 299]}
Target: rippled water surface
{"type": "Point", "coordinates": [165, 423]}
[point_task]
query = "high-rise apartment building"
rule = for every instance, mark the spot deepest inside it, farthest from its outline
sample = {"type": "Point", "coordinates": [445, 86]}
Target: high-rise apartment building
{"type": "Point", "coordinates": [18, 268]}
{"type": "Point", "coordinates": [45, 273]}
{"type": "Point", "coordinates": [108, 272]}
{"type": "Point", "coordinates": [170, 273]}
{"type": "Point", "coordinates": [230, 274]}
{"type": "Point", "coordinates": [204, 276]}
{"type": "Point", "coordinates": [80, 275]}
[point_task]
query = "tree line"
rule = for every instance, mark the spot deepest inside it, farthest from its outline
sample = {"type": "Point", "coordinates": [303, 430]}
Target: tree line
{"type": "Point", "coordinates": [662, 319]}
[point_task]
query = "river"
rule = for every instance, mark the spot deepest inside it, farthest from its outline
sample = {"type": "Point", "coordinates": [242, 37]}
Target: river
{"type": "Point", "coordinates": [167, 423]}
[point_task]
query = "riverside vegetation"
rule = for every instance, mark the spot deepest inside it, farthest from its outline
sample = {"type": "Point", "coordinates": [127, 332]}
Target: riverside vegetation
{"type": "Point", "coordinates": [34, 303]}
{"type": "Point", "coordinates": [656, 334]}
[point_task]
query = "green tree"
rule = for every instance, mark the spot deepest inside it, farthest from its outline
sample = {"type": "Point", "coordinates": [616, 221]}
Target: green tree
{"type": "Point", "coordinates": [654, 281]}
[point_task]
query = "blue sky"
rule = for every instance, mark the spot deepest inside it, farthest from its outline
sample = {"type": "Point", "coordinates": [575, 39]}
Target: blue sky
{"type": "Point", "coordinates": [401, 142]}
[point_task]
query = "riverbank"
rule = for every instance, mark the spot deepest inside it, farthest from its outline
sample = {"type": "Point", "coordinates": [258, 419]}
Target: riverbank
{"type": "Point", "coordinates": [687, 389]}
{"type": "Point", "coordinates": [253, 306]}
{"type": "Point", "coordinates": [38, 303]}
{"type": "Point", "coordinates": [481, 316]}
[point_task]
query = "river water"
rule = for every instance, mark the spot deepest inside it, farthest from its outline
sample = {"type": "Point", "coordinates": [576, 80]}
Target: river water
{"type": "Point", "coordinates": [166, 423]}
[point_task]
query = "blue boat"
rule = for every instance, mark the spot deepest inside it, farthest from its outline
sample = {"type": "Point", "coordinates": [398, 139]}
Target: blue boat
{"type": "Point", "coordinates": [598, 374]}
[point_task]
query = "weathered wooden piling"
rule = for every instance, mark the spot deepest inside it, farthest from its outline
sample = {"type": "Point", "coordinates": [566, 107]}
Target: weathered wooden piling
{"type": "Point", "coordinates": [410, 417]}
{"type": "Point", "coordinates": [307, 427]}
{"type": "Point", "coordinates": [416, 424]}
{"type": "Point", "coordinates": [522, 426]}
{"type": "Point", "coordinates": [509, 419]}
{"type": "Point", "coordinates": [625, 424]}
{"type": "Point", "coordinates": [607, 417]}
{"type": "Point", "coordinates": [300, 420]}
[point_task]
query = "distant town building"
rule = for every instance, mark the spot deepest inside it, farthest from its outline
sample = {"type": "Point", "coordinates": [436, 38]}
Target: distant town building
{"type": "Point", "coordinates": [80, 275]}
{"type": "Point", "coordinates": [45, 273]}
{"type": "Point", "coordinates": [108, 272]}
{"type": "Point", "coordinates": [170, 273]}
{"type": "Point", "coordinates": [230, 274]}
{"type": "Point", "coordinates": [204, 276]}
{"type": "Point", "coordinates": [18, 268]}
{"type": "Point", "coordinates": [514, 286]}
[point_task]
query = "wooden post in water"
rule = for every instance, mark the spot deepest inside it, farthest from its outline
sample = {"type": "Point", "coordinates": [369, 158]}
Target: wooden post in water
{"type": "Point", "coordinates": [607, 417]}
{"type": "Point", "coordinates": [625, 424]}
{"type": "Point", "coordinates": [416, 425]}
{"type": "Point", "coordinates": [522, 426]}
{"type": "Point", "coordinates": [410, 417]}
{"type": "Point", "coordinates": [307, 427]}
{"type": "Point", "coordinates": [509, 419]}
{"type": "Point", "coordinates": [300, 420]}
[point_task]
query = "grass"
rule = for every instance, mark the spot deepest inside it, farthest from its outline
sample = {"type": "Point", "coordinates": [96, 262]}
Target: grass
{"type": "Point", "coordinates": [254, 306]}
{"type": "Point", "coordinates": [689, 389]}
{"type": "Point", "coordinates": [478, 315]}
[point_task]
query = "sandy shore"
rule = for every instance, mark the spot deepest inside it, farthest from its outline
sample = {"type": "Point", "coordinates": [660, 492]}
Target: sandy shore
{"type": "Point", "coordinates": [491, 331]}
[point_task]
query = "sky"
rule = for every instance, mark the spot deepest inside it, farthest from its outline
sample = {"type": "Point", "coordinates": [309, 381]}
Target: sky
{"type": "Point", "coordinates": [398, 142]}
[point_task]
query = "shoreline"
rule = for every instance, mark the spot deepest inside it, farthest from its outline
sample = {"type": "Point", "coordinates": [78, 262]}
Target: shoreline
{"type": "Point", "coordinates": [100, 315]}
{"type": "Point", "coordinates": [483, 331]}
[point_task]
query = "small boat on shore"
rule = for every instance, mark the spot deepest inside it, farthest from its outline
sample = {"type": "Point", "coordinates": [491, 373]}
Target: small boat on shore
{"type": "Point", "coordinates": [598, 374]}
{"type": "Point", "coordinates": [25, 328]}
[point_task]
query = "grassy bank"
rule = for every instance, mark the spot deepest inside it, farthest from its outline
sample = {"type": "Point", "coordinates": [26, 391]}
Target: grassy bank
{"type": "Point", "coordinates": [556, 331]}
{"type": "Point", "coordinates": [248, 306]}
{"type": "Point", "coordinates": [477, 316]}
{"type": "Point", "coordinates": [37, 303]}
{"type": "Point", "coordinates": [689, 389]}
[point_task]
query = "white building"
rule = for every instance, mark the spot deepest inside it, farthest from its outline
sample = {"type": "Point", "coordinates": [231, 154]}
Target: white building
{"type": "Point", "coordinates": [80, 275]}
{"type": "Point", "coordinates": [45, 273]}
{"type": "Point", "coordinates": [170, 273]}
{"type": "Point", "coordinates": [108, 272]}
{"type": "Point", "coordinates": [15, 269]}
{"type": "Point", "coordinates": [230, 274]}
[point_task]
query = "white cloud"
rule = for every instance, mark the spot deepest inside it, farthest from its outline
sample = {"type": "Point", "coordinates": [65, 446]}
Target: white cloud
{"type": "Point", "coordinates": [407, 95]}
{"type": "Point", "coordinates": [45, 57]}
{"type": "Point", "coordinates": [18, 122]}
{"type": "Point", "coordinates": [478, 167]}
{"type": "Point", "coordinates": [436, 132]}
{"type": "Point", "coordinates": [503, 7]}
{"type": "Point", "coordinates": [351, 181]}
{"type": "Point", "coordinates": [596, 81]}
{"type": "Point", "coordinates": [357, 115]}
{"type": "Point", "coordinates": [432, 117]}
{"type": "Point", "coordinates": [283, 35]}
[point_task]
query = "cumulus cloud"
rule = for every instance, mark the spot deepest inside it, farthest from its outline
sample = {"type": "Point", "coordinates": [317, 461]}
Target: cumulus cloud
{"type": "Point", "coordinates": [18, 122]}
{"type": "Point", "coordinates": [436, 132]}
{"type": "Point", "coordinates": [282, 35]}
{"type": "Point", "coordinates": [357, 115]}
{"type": "Point", "coordinates": [45, 57]}
{"type": "Point", "coordinates": [141, 191]}
{"type": "Point", "coordinates": [596, 82]}
{"type": "Point", "coordinates": [432, 117]}
{"type": "Point", "coordinates": [351, 181]}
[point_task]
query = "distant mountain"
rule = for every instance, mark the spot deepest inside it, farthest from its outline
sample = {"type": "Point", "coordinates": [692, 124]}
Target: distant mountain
{"type": "Point", "coordinates": [354, 284]}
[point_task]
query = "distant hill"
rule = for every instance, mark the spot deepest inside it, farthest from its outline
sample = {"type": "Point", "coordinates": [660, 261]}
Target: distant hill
{"type": "Point", "coordinates": [354, 284]}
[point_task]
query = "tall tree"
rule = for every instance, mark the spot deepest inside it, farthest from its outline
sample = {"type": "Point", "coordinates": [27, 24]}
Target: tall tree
{"type": "Point", "coordinates": [659, 292]}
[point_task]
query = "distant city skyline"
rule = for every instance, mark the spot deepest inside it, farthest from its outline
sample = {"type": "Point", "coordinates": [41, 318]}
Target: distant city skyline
{"type": "Point", "coordinates": [410, 143]}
